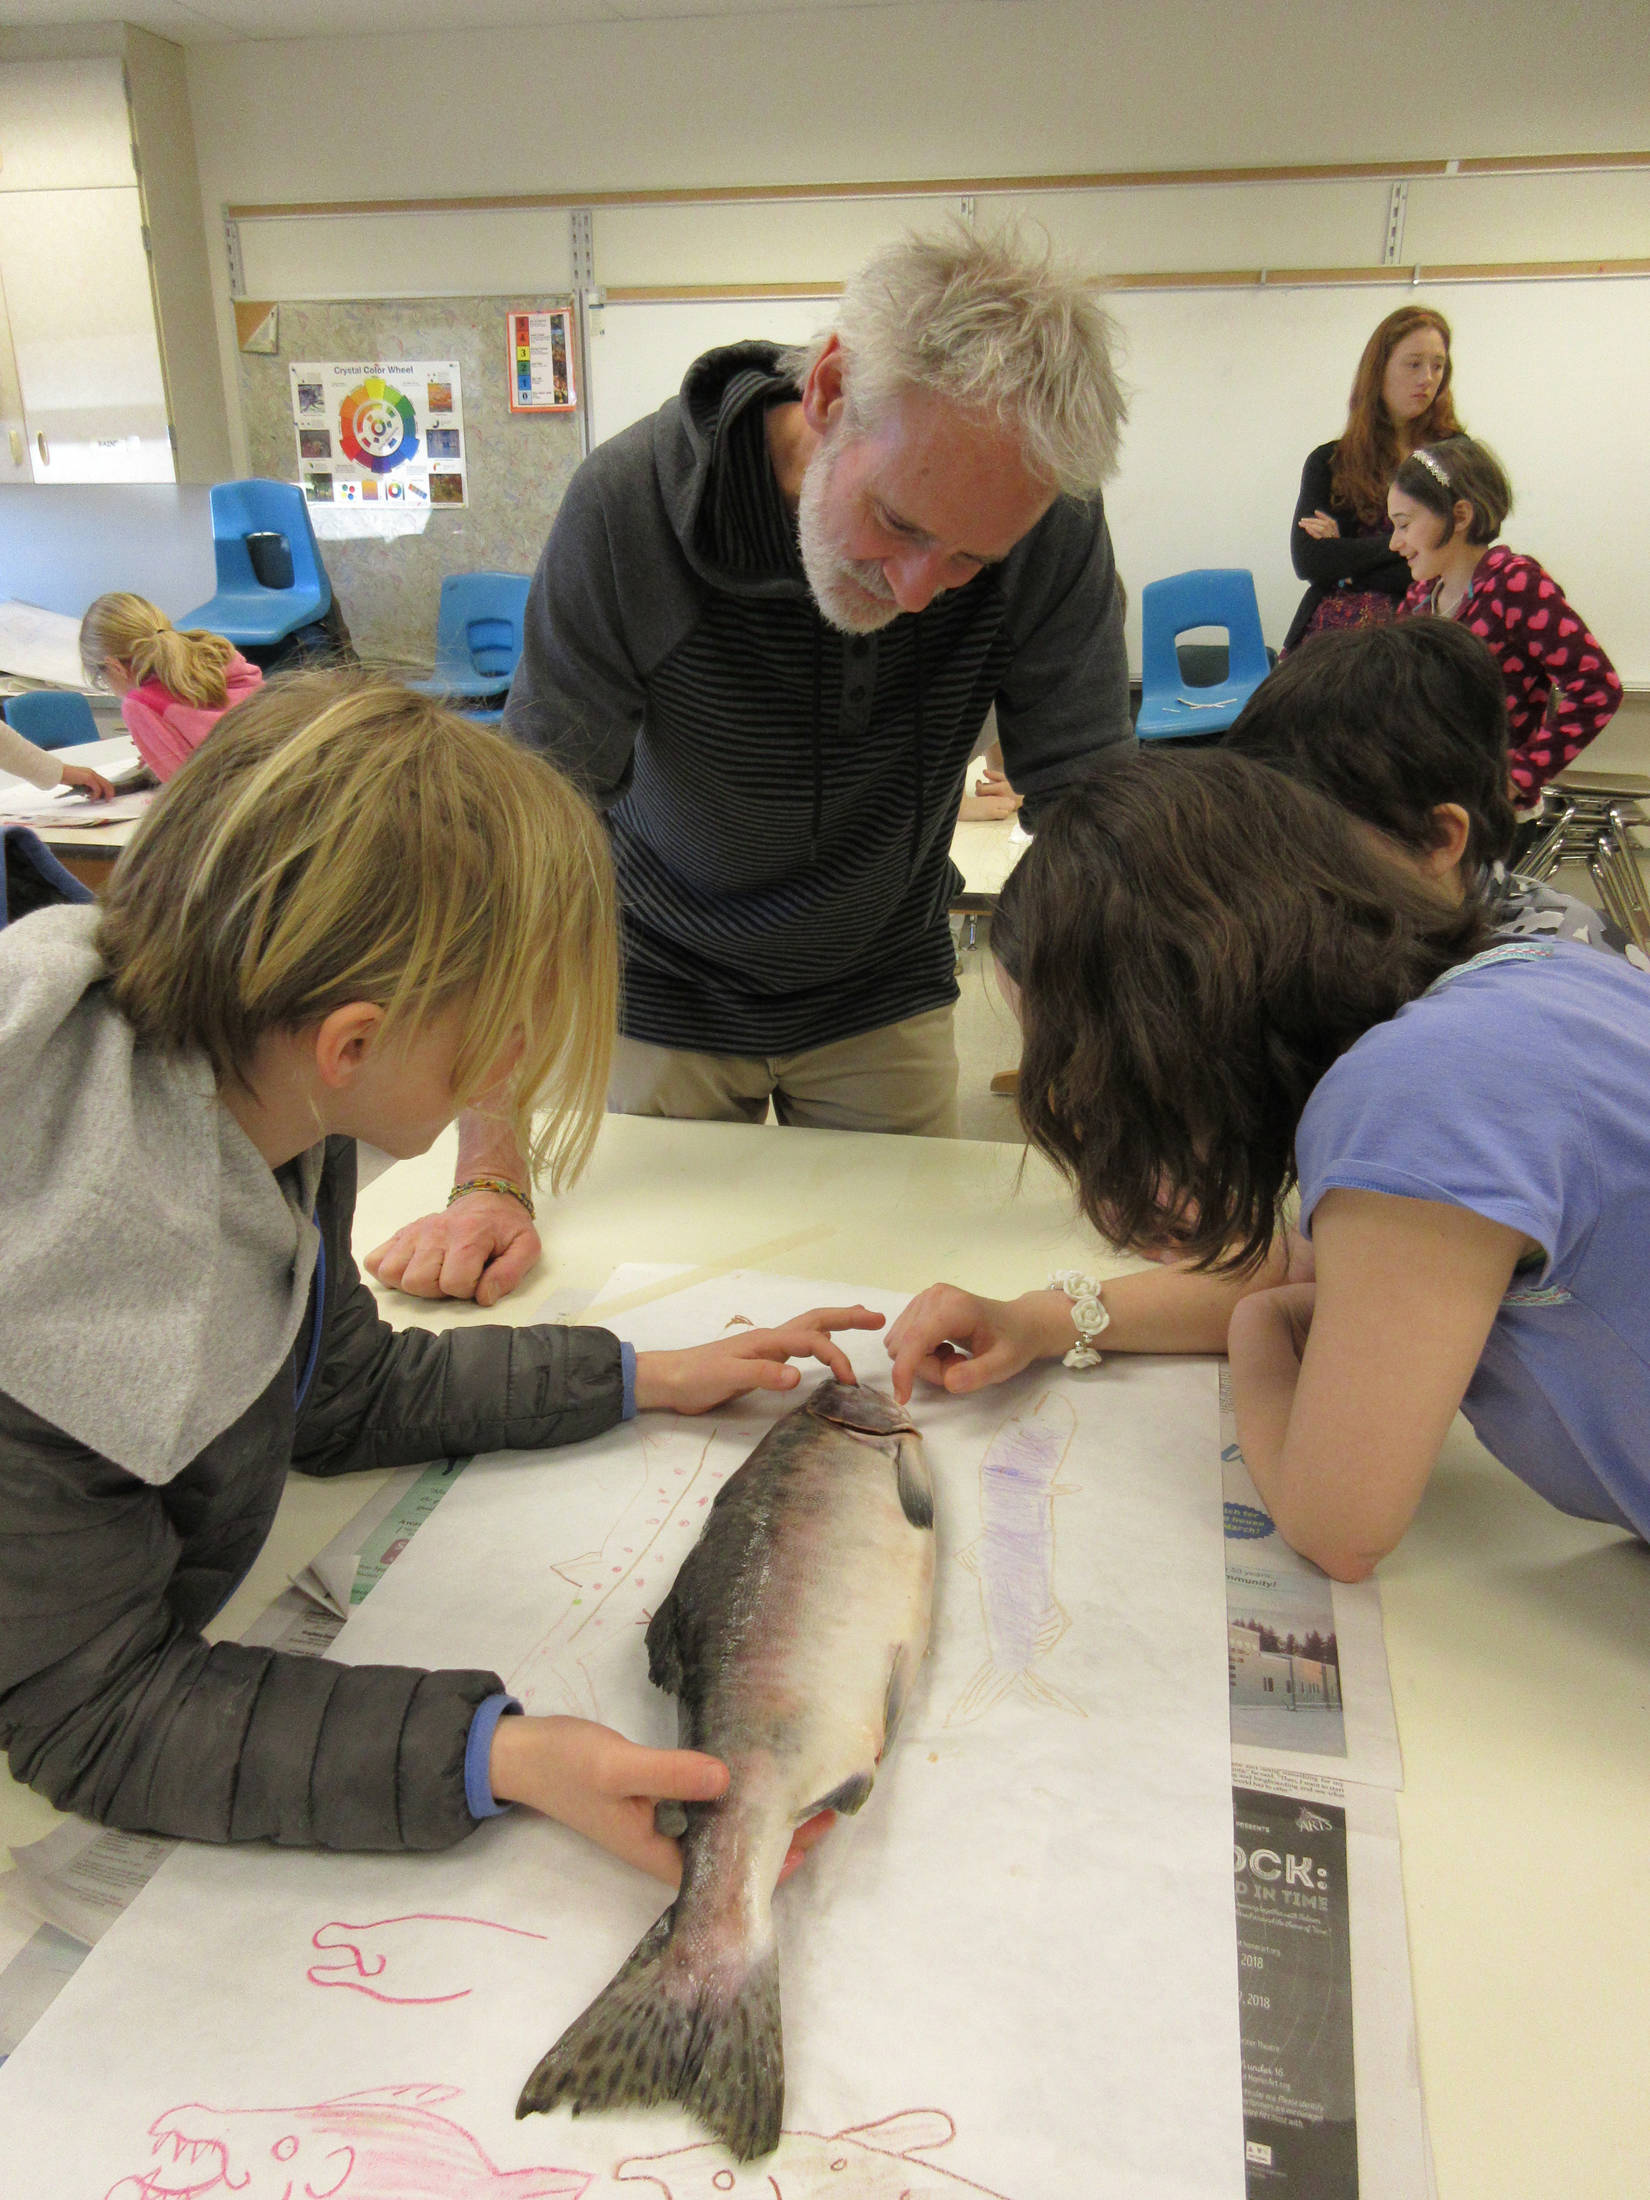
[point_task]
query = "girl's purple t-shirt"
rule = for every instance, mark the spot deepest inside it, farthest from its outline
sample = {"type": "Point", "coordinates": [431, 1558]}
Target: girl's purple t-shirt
{"type": "Point", "coordinates": [1519, 1087]}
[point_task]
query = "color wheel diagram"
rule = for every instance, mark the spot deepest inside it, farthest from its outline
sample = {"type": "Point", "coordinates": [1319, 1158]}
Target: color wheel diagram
{"type": "Point", "coordinates": [377, 427]}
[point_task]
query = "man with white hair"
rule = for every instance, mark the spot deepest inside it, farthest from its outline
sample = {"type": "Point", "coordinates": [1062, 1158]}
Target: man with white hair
{"type": "Point", "coordinates": [764, 637]}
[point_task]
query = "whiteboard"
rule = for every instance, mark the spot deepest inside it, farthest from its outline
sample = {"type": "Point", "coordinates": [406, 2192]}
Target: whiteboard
{"type": "Point", "coordinates": [639, 353]}
{"type": "Point", "coordinates": [1232, 388]}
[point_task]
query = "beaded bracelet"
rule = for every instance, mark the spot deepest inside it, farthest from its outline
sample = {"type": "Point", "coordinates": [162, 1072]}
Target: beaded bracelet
{"type": "Point", "coordinates": [502, 1184]}
{"type": "Point", "coordinates": [1088, 1314]}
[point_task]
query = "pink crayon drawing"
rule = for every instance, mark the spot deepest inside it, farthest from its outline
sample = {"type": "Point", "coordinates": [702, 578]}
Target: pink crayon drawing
{"type": "Point", "coordinates": [867, 2162]}
{"type": "Point", "coordinates": [425, 1958]}
{"type": "Point", "coordinates": [616, 1589]}
{"type": "Point", "coordinates": [1014, 1559]}
{"type": "Point", "coordinates": [386, 2144]}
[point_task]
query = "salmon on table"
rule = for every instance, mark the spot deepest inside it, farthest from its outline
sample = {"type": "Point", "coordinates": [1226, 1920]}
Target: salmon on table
{"type": "Point", "coordinates": [790, 1640]}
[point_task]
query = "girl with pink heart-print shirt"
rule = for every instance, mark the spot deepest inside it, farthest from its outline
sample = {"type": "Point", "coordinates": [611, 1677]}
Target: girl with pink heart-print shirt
{"type": "Point", "coordinates": [1446, 506]}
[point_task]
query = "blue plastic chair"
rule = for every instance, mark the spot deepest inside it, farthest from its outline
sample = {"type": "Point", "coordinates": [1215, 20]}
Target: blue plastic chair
{"type": "Point", "coordinates": [52, 718]}
{"type": "Point", "coordinates": [477, 638]}
{"type": "Point", "coordinates": [262, 528]}
{"type": "Point", "coordinates": [1170, 707]}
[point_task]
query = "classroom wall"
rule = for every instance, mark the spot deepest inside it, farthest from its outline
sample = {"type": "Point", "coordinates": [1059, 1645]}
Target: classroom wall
{"type": "Point", "coordinates": [968, 87]}
{"type": "Point", "coordinates": [955, 88]}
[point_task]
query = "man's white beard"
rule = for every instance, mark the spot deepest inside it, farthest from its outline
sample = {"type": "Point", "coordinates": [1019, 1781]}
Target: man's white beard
{"type": "Point", "coordinates": [836, 581]}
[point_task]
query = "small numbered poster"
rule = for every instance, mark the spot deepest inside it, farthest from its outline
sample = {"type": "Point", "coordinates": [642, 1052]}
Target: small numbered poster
{"type": "Point", "coordinates": [384, 432]}
{"type": "Point", "coordinates": [541, 360]}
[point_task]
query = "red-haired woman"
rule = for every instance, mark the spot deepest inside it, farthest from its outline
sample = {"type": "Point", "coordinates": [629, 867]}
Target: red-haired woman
{"type": "Point", "coordinates": [1338, 540]}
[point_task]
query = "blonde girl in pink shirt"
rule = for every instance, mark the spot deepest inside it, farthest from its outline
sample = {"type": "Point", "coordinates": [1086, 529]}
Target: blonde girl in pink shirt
{"type": "Point", "coordinates": [173, 687]}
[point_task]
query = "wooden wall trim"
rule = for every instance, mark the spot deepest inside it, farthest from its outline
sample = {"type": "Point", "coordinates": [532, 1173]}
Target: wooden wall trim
{"type": "Point", "coordinates": [919, 187]}
{"type": "Point", "coordinates": [1224, 278]}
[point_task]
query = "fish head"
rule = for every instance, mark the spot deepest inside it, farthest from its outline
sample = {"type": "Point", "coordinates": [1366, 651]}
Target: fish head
{"type": "Point", "coordinates": [858, 1407]}
{"type": "Point", "coordinates": [256, 2154]}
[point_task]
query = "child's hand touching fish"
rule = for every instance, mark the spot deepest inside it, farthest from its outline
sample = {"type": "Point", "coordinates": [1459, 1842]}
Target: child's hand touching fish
{"type": "Point", "coordinates": [605, 1787]}
{"type": "Point", "coordinates": [960, 1342]}
{"type": "Point", "coordinates": [708, 1375]}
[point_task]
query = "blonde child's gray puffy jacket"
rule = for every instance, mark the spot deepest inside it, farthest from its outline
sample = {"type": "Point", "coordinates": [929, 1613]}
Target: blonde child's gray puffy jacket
{"type": "Point", "coordinates": [161, 1304]}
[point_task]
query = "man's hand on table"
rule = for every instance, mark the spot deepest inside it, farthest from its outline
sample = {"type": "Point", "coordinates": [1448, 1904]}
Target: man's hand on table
{"type": "Point", "coordinates": [478, 1248]}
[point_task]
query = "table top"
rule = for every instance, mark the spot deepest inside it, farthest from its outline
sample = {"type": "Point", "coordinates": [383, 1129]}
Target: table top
{"type": "Point", "coordinates": [1519, 1641]}
{"type": "Point", "coordinates": [985, 851]}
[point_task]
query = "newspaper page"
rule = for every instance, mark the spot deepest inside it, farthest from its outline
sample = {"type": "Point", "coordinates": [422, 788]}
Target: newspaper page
{"type": "Point", "coordinates": [1332, 2105]}
{"type": "Point", "coordinates": [1307, 1655]}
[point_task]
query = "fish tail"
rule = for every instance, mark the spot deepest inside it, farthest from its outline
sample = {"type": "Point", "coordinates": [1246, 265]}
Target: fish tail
{"type": "Point", "coordinates": [988, 1687]}
{"type": "Point", "coordinates": [668, 2030]}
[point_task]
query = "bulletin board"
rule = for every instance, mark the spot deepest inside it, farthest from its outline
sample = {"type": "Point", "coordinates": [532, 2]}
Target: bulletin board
{"type": "Point", "coordinates": [386, 561]}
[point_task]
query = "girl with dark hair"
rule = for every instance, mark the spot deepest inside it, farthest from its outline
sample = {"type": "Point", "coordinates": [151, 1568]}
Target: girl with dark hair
{"type": "Point", "coordinates": [1446, 507]}
{"type": "Point", "coordinates": [1406, 727]}
{"type": "Point", "coordinates": [1226, 994]}
{"type": "Point", "coordinates": [1400, 397]}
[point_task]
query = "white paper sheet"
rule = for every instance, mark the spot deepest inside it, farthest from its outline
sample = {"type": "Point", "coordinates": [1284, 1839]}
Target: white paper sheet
{"type": "Point", "coordinates": [40, 645]}
{"type": "Point", "coordinates": [1014, 1974]}
{"type": "Point", "coordinates": [55, 806]}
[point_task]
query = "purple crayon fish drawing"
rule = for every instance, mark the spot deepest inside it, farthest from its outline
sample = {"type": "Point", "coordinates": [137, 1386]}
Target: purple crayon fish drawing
{"type": "Point", "coordinates": [867, 2162]}
{"type": "Point", "coordinates": [386, 2144]}
{"type": "Point", "coordinates": [618, 1588]}
{"type": "Point", "coordinates": [1014, 1560]}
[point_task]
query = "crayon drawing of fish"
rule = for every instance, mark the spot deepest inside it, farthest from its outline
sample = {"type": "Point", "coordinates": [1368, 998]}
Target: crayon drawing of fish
{"type": "Point", "coordinates": [881, 2161]}
{"type": "Point", "coordinates": [1013, 1560]}
{"type": "Point", "coordinates": [385, 2144]}
{"type": "Point", "coordinates": [617, 1589]}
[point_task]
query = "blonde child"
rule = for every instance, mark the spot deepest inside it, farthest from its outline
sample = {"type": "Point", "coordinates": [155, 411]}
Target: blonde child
{"type": "Point", "coordinates": [173, 687]}
{"type": "Point", "coordinates": [352, 914]}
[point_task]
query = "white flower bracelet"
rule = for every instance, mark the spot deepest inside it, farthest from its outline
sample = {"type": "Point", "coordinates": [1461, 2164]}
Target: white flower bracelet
{"type": "Point", "coordinates": [1088, 1314]}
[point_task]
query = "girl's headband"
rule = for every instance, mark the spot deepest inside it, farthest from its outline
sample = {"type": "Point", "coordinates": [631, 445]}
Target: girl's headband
{"type": "Point", "coordinates": [1426, 459]}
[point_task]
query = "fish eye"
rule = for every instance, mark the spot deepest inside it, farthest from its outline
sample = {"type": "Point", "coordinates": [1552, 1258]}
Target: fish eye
{"type": "Point", "coordinates": [723, 2180]}
{"type": "Point", "coordinates": [284, 2149]}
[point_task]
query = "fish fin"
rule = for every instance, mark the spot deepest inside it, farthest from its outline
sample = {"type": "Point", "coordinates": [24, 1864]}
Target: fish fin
{"type": "Point", "coordinates": [664, 1646]}
{"type": "Point", "coordinates": [847, 1796]}
{"type": "Point", "coordinates": [899, 1687]}
{"type": "Point", "coordinates": [916, 1484]}
{"type": "Point", "coordinates": [989, 1686]}
{"type": "Point", "coordinates": [1050, 1628]}
{"type": "Point", "coordinates": [1037, 1690]}
{"type": "Point", "coordinates": [660, 2031]}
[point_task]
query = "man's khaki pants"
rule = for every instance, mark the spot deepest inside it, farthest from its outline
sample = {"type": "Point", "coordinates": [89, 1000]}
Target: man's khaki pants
{"type": "Point", "coordinates": [901, 1078]}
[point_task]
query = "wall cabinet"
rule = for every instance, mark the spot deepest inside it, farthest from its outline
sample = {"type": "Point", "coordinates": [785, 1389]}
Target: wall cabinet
{"type": "Point", "coordinates": [85, 397]}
